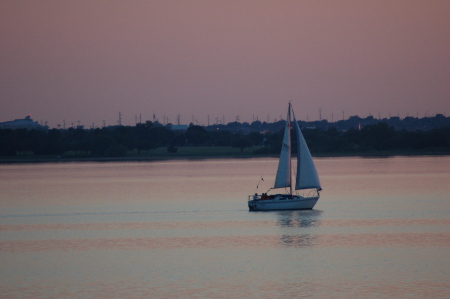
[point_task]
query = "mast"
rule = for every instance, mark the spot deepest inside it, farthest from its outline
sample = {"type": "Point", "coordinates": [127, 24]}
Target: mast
{"type": "Point", "coordinates": [283, 178]}
{"type": "Point", "coordinates": [290, 142]}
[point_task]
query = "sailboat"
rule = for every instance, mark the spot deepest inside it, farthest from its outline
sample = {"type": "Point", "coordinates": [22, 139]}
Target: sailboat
{"type": "Point", "coordinates": [306, 177]}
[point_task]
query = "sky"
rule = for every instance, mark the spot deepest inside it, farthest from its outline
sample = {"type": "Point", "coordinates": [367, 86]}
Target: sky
{"type": "Point", "coordinates": [84, 62]}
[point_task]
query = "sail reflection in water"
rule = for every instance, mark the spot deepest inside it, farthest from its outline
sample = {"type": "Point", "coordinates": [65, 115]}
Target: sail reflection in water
{"type": "Point", "coordinates": [293, 224]}
{"type": "Point", "coordinates": [306, 240]}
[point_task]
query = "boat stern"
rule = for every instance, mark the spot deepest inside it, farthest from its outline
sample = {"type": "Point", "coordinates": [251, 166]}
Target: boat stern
{"type": "Point", "coordinates": [252, 202]}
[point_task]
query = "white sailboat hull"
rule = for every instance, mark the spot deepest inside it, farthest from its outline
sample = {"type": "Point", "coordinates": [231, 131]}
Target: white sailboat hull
{"type": "Point", "coordinates": [283, 203]}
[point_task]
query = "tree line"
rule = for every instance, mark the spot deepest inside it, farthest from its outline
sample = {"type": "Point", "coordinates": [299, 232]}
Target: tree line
{"type": "Point", "coordinates": [118, 141]}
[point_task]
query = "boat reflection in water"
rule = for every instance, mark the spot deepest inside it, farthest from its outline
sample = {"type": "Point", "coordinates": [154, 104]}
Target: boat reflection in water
{"type": "Point", "coordinates": [306, 218]}
{"type": "Point", "coordinates": [295, 224]}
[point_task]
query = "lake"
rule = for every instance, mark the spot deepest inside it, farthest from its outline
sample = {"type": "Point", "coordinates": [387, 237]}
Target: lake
{"type": "Point", "coordinates": [182, 229]}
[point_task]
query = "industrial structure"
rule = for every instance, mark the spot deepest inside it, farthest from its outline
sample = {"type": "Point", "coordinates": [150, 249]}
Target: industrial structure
{"type": "Point", "coordinates": [25, 123]}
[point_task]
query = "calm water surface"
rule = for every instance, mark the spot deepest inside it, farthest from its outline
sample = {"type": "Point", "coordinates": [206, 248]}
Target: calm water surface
{"type": "Point", "coordinates": [182, 229]}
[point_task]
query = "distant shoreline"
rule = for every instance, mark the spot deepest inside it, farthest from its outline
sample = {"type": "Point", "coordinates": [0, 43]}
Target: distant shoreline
{"type": "Point", "coordinates": [207, 153]}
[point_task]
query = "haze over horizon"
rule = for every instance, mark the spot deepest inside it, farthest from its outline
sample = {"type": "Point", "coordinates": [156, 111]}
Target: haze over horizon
{"type": "Point", "coordinates": [89, 60]}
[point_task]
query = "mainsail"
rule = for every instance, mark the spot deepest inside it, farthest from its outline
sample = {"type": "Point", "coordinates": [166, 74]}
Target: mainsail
{"type": "Point", "coordinates": [307, 177]}
{"type": "Point", "coordinates": [283, 178]}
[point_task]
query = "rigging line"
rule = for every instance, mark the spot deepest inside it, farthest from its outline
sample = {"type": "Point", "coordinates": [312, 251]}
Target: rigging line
{"type": "Point", "coordinates": [264, 169]}
{"type": "Point", "coordinates": [262, 175]}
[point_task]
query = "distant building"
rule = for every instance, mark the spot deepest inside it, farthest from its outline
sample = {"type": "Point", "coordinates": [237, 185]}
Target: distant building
{"type": "Point", "coordinates": [26, 123]}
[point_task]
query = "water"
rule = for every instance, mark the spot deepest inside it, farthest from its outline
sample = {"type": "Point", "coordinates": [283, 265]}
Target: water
{"type": "Point", "coordinates": [182, 229]}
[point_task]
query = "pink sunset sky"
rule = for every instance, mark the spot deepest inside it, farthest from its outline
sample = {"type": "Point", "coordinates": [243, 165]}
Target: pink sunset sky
{"type": "Point", "coordinates": [89, 60]}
